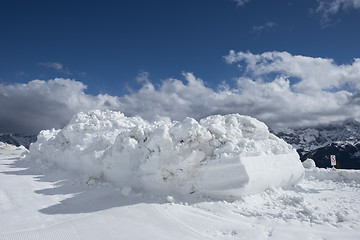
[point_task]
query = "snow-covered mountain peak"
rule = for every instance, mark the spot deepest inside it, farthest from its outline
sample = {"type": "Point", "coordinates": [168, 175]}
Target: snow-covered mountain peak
{"type": "Point", "coordinates": [341, 139]}
{"type": "Point", "coordinates": [311, 138]}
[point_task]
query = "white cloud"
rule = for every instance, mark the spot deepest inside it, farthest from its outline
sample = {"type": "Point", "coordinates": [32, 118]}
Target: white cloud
{"type": "Point", "coordinates": [55, 65]}
{"type": "Point", "coordinates": [315, 73]}
{"type": "Point", "coordinates": [241, 3]}
{"type": "Point", "coordinates": [82, 74]}
{"type": "Point", "coordinates": [329, 8]}
{"type": "Point", "coordinates": [273, 102]}
{"type": "Point", "coordinates": [268, 26]}
{"type": "Point", "coordinates": [317, 96]}
{"type": "Point", "coordinates": [266, 91]}
{"type": "Point", "coordinates": [142, 77]}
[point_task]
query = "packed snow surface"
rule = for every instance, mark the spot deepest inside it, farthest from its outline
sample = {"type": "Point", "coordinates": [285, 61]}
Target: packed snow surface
{"type": "Point", "coordinates": [223, 157]}
{"type": "Point", "coordinates": [39, 202]}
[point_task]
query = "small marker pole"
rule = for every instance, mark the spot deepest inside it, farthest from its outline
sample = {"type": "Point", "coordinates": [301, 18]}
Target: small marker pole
{"type": "Point", "coordinates": [333, 161]}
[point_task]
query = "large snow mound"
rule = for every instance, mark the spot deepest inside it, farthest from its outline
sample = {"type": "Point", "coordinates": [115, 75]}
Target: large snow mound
{"type": "Point", "coordinates": [220, 156]}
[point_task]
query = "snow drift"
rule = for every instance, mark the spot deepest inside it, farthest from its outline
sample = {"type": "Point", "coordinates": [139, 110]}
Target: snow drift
{"type": "Point", "coordinates": [220, 156]}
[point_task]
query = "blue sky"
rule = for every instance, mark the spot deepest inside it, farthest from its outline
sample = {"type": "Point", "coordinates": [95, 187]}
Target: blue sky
{"type": "Point", "coordinates": [105, 44]}
{"type": "Point", "coordinates": [109, 46]}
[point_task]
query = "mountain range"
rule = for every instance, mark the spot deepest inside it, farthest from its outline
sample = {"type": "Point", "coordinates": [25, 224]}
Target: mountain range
{"type": "Point", "coordinates": [18, 139]}
{"type": "Point", "coordinates": [340, 139]}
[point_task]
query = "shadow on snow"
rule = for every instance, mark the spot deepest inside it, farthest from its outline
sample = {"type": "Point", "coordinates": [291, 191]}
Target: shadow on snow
{"type": "Point", "coordinates": [82, 196]}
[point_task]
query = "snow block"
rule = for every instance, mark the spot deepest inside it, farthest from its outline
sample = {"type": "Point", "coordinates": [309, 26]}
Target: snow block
{"type": "Point", "coordinates": [223, 157]}
{"type": "Point", "coordinates": [309, 163]}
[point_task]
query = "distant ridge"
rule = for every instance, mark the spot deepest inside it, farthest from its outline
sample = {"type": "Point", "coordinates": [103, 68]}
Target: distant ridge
{"type": "Point", "coordinates": [340, 139]}
{"type": "Point", "coordinates": [18, 139]}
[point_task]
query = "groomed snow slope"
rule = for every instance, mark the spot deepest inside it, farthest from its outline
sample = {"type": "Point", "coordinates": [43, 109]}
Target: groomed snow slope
{"type": "Point", "coordinates": [52, 203]}
{"type": "Point", "coordinates": [223, 157]}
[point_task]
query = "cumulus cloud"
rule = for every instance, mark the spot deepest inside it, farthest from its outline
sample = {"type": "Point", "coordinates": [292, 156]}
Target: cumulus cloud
{"type": "Point", "coordinates": [304, 91]}
{"type": "Point", "coordinates": [174, 99]}
{"type": "Point", "coordinates": [329, 8]}
{"type": "Point", "coordinates": [278, 88]}
{"type": "Point", "coordinates": [55, 65]}
{"type": "Point", "coordinates": [315, 74]}
{"type": "Point", "coordinates": [46, 104]}
{"type": "Point", "coordinates": [274, 102]}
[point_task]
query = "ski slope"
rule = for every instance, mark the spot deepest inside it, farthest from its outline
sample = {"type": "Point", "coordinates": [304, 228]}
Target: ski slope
{"type": "Point", "coordinates": [52, 203]}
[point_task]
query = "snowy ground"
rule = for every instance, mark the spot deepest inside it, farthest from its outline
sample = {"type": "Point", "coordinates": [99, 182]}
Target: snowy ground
{"type": "Point", "coordinates": [55, 204]}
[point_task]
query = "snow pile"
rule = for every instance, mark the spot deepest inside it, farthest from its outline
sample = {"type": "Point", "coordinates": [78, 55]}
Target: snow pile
{"type": "Point", "coordinates": [335, 175]}
{"type": "Point", "coordinates": [220, 156]}
{"type": "Point", "coordinates": [309, 163]}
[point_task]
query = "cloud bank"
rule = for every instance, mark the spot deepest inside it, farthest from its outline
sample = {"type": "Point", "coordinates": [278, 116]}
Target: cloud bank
{"type": "Point", "coordinates": [278, 88]}
{"type": "Point", "coordinates": [46, 104]}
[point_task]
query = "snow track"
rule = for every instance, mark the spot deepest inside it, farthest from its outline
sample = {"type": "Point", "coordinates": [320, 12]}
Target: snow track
{"type": "Point", "coordinates": [184, 222]}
